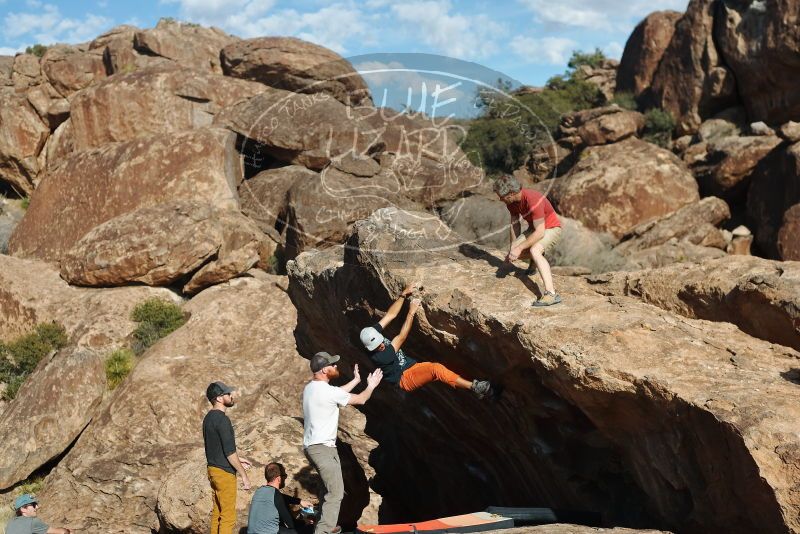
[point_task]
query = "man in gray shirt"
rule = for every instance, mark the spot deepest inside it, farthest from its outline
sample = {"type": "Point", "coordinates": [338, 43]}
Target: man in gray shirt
{"type": "Point", "coordinates": [268, 512]}
{"type": "Point", "coordinates": [26, 507]}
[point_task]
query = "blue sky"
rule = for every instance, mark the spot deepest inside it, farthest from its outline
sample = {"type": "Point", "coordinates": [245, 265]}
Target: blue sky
{"type": "Point", "coordinates": [527, 40]}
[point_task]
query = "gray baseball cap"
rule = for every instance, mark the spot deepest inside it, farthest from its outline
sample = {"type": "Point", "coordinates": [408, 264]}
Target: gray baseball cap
{"type": "Point", "coordinates": [215, 389]}
{"type": "Point", "coordinates": [321, 360]}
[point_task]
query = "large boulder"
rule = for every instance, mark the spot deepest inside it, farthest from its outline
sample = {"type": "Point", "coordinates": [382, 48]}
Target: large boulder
{"type": "Point", "coordinates": [723, 167]}
{"type": "Point", "coordinates": [94, 186]}
{"type": "Point", "coordinates": [70, 69]}
{"type": "Point", "coordinates": [320, 208]}
{"type": "Point", "coordinates": [692, 81]}
{"type": "Point", "coordinates": [315, 130]}
{"type": "Point", "coordinates": [119, 54]}
{"type": "Point", "coordinates": [49, 104]}
{"type": "Point", "coordinates": [295, 65]}
{"type": "Point", "coordinates": [158, 100]}
{"type": "Point", "coordinates": [600, 126]}
{"type": "Point", "coordinates": [789, 234]}
{"type": "Point", "coordinates": [42, 422]}
{"type": "Point", "coordinates": [774, 187]}
{"type": "Point", "coordinates": [643, 52]}
{"type": "Point", "coordinates": [759, 44]}
{"type": "Point", "coordinates": [607, 403]}
{"type": "Point", "coordinates": [22, 137]}
{"type": "Point", "coordinates": [239, 332]}
{"type": "Point", "coordinates": [162, 244]}
{"type": "Point", "coordinates": [186, 44]}
{"type": "Point", "coordinates": [27, 71]}
{"type": "Point", "coordinates": [673, 251]}
{"type": "Point", "coordinates": [696, 222]}
{"type": "Point", "coordinates": [761, 297]}
{"type": "Point", "coordinates": [263, 197]}
{"type": "Point", "coordinates": [613, 188]}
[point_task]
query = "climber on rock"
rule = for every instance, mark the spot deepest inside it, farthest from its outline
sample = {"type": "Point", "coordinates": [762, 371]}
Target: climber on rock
{"type": "Point", "coordinates": [406, 372]}
{"type": "Point", "coordinates": [542, 234]}
{"type": "Point", "coordinates": [26, 508]}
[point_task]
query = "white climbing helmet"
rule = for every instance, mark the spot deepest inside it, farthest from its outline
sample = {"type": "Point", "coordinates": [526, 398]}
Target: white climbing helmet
{"type": "Point", "coordinates": [371, 338]}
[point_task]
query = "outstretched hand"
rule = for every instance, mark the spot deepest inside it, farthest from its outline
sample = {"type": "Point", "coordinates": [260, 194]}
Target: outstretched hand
{"type": "Point", "coordinates": [374, 378]}
{"type": "Point", "coordinates": [356, 373]}
{"type": "Point", "coordinates": [410, 288]}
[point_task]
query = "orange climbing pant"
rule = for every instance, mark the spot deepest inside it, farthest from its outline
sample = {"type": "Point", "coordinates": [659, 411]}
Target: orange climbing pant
{"type": "Point", "coordinates": [422, 373]}
{"type": "Point", "coordinates": [223, 511]}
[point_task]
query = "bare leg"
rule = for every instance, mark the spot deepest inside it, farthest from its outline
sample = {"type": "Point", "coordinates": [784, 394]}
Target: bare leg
{"type": "Point", "coordinates": [542, 265]}
{"type": "Point", "coordinates": [463, 384]}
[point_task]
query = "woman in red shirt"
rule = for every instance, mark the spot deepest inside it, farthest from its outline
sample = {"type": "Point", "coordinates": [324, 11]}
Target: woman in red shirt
{"type": "Point", "coordinates": [544, 230]}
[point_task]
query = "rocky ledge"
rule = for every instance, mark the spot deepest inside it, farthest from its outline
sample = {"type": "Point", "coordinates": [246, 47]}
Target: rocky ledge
{"type": "Point", "coordinates": [606, 403]}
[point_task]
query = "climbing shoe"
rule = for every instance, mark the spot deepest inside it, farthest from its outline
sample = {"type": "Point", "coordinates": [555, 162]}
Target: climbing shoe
{"type": "Point", "coordinates": [481, 388]}
{"type": "Point", "coordinates": [548, 299]}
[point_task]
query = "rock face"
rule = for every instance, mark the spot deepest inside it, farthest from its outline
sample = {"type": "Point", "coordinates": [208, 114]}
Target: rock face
{"type": "Point", "coordinates": [186, 44]}
{"type": "Point", "coordinates": [692, 81]}
{"type": "Point", "coordinates": [650, 402]}
{"type": "Point", "coordinates": [775, 186]}
{"type": "Point", "coordinates": [754, 42]}
{"type": "Point", "coordinates": [614, 188]}
{"type": "Point", "coordinates": [600, 126]}
{"type": "Point", "coordinates": [209, 245]}
{"type": "Point", "coordinates": [671, 252]}
{"type": "Point", "coordinates": [70, 69]}
{"type": "Point", "coordinates": [238, 332]}
{"type": "Point", "coordinates": [295, 65]}
{"type": "Point", "coordinates": [728, 163]}
{"type": "Point", "coordinates": [761, 297]}
{"type": "Point", "coordinates": [22, 137]}
{"type": "Point", "coordinates": [157, 100]}
{"type": "Point", "coordinates": [94, 186]}
{"type": "Point", "coordinates": [263, 197]}
{"type": "Point", "coordinates": [643, 52]}
{"type": "Point", "coordinates": [317, 130]}
{"type": "Point", "coordinates": [604, 76]}
{"type": "Point", "coordinates": [789, 234]}
{"type": "Point", "coordinates": [320, 208]}
{"type": "Point", "coordinates": [696, 223]}
{"type": "Point", "coordinates": [41, 422]}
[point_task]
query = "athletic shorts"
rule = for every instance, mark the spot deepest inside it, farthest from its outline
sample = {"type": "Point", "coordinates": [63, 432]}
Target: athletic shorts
{"type": "Point", "coordinates": [551, 238]}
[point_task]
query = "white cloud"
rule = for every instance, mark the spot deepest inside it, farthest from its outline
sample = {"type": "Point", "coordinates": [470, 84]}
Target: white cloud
{"type": "Point", "coordinates": [456, 35]}
{"type": "Point", "coordinates": [331, 26]}
{"type": "Point", "coordinates": [48, 26]}
{"type": "Point", "coordinates": [543, 51]}
{"type": "Point", "coordinates": [9, 51]}
{"type": "Point", "coordinates": [598, 14]}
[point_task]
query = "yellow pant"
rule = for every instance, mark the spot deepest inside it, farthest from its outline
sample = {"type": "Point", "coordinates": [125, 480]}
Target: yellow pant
{"type": "Point", "coordinates": [223, 512]}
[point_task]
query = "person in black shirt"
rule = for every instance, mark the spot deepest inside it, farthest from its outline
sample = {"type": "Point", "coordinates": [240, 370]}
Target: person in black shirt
{"type": "Point", "coordinates": [402, 370]}
{"type": "Point", "coordinates": [222, 459]}
{"type": "Point", "coordinates": [268, 512]}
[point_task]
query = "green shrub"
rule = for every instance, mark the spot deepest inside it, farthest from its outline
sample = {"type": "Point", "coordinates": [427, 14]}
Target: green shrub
{"type": "Point", "coordinates": [20, 357]}
{"type": "Point", "coordinates": [592, 59]}
{"type": "Point", "coordinates": [625, 100]}
{"type": "Point", "coordinates": [658, 127]}
{"type": "Point", "coordinates": [26, 201]}
{"type": "Point", "coordinates": [157, 318]}
{"type": "Point", "coordinates": [119, 365]}
{"type": "Point", "coordinates": [511, 127]}
{"type": "Point", "coordinates": [37, 50]}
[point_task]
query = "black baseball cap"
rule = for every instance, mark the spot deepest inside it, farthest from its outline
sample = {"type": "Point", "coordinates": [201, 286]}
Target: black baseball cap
{"type": "Point", "coordinates": [215, 389]}
{"type": "Point", "coordinates": [321, 360]}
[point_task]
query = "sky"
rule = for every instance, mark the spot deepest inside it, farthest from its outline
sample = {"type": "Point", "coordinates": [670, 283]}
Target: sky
{"type": "Point", "coordinates": [525, 40]}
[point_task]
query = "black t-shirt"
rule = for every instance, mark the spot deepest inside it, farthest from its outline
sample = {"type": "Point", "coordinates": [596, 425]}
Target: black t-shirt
{"type": "Point", "coordinates": [392, 362]}
{"type": "Point", "coordinates": [218, 439]}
